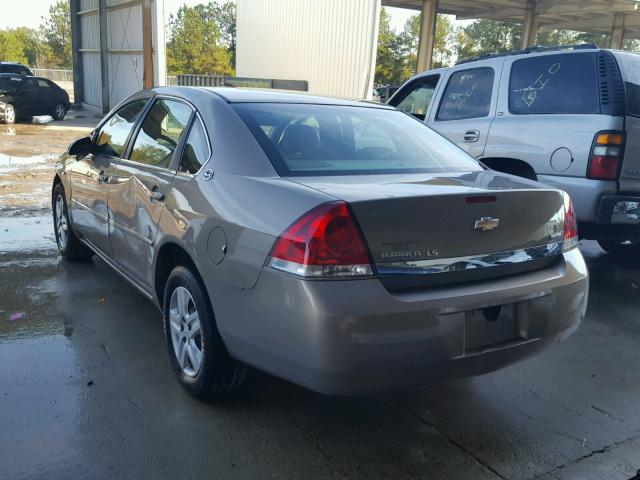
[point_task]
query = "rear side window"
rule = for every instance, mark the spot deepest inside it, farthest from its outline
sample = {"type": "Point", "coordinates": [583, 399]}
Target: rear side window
{"type": "Point", "coordinates": [468, 94]}
{"type": "Point", "coordinates": [160, 133]}
{"type": "Point", "coordinates": [114, 133]}
{"type": "Point", "coordinates": [416, 97]}
{"type": "Point", "coordinates": [630, 69]}
{"type": "Point", "coordinates": [554, 84]}
{"type": "Point", "coordinates": [196, 149]}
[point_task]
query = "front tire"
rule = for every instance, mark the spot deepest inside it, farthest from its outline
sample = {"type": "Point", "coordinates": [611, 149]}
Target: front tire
{"type": "Point", "coordinates": [9, 114]}
{"type": "Point", "coordinates": [59, 112]}
{"type": "Point", "coordinates": [623, 251]}
{"type": "Point", "coordinates": [198, 355]}
{"type": "Point", "coordinates": [69, 246]}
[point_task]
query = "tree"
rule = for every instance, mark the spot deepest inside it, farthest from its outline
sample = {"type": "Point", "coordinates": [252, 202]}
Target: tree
{"type": "Point", "coordinates": [488, 36]}
{"type": "Point", "coordinates": [10, 47]}
{"type": "Point", "coordinates": [57, 32]}
{"type": "Point", "coordinates": [197, 43]}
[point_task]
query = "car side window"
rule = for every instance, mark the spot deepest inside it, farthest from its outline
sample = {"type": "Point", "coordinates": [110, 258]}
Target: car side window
{"type": "Point", "coordinates": [468, 94]}
{"type": "Point", "coordinates": [418, 97]}
{"type": "Point", "coordinates": [160, 133]}
{"type": "Point", "coordinates": [196, 149]}
{"type": "Point", "coordinates": [30, 83]}
{"type": "Point", "coordinates": [113, 135]}
{"type": "Point", "coordinates": [43, 83]}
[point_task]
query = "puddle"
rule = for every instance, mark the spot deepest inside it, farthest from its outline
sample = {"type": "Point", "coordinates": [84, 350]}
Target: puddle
{"type": "Point", "coordinates": [26, 234]}
{"type": "Point", "coordinates": [17, 161]}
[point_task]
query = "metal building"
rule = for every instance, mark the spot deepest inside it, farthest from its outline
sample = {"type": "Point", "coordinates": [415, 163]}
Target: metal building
{"type": "Point", "coordinates": [329, 43]}
{"type": "Point", "coordinates": [118, 49]}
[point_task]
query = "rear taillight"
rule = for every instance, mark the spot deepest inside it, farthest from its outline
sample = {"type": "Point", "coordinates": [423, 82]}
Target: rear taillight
{"type": "Point", "coordinates": [324, 242]}
{"type": "Point", "coordinates": [606, 156]}
{"type": "Point", "coordinates": [570, 224]}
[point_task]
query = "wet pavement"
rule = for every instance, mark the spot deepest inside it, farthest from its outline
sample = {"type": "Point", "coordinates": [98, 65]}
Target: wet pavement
{"type": "Point", "coordinates": [87, 391]}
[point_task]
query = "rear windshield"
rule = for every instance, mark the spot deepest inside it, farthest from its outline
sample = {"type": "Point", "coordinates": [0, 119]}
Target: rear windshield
{"type": "Point", "coordinates": [9, 84]}
{"type": "Point", "coordinates": [630, 69]}
{"type": "Point", "coordinates": [564, 83]}
{"type": "Point", "coordinates": [305, 139]}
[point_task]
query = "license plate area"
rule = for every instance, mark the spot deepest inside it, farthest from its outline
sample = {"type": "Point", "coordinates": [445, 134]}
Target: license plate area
{"type": "Point", "coordinates": [490, 327]}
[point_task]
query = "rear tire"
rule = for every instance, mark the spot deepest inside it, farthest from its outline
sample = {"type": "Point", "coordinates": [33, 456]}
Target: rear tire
{"type": "Point", "coordinates": [9, 114]}
{"type": "Point", "coordinates": [623, 251]}
{"type": "Point", "coordinates": [59, 112]}
{"type": "Point", "coordinates": [198, 355]}
{"type": "Point", "coordinates": [69, 246]}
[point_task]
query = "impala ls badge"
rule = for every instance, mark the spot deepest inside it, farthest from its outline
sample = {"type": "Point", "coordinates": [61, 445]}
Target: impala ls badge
{"type": "Point", "coordinates": [487, 223]}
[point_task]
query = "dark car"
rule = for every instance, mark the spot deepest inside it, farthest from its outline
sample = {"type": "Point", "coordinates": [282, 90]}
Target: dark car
{"type": "Point", "coordinates": [24, 96]}
{"type": "Point", "coordinates": [14, 67]}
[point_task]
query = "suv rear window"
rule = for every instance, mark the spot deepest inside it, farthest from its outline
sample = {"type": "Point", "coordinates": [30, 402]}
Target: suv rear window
{"type": "Point", "coordinates": [564, 83]}
{"type": "Point", "coordinates": [630, 69]}
{"type": "Point", "coordinates": [308, 139]}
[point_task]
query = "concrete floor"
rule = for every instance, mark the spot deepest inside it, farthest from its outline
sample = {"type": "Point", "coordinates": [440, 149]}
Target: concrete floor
{"type": "Point", "coordinates": [86, 391]}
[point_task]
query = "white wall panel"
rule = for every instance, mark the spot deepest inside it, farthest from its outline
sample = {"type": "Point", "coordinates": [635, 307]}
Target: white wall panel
{"type": "Point", "coordinates": [88, 4]}
{"type": "Point", "coordinates": [125, 30]}
{"type": "Point", "coordinates": [90, 31]}
{"type": "Point", "coordinates": [329, 43]}
{"type": "Point", "coordinates": [91, 79]}
{"type": "Point", "coordinates": [125, 76]}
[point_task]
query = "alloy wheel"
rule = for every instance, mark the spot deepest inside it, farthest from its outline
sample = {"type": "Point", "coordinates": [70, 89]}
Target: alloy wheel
{"type": "Point", "coordinates": [62, 224]}
{"type": "Point", "coordinates": [9, 114]}
{"type": "Point", "coordinates": [60, 111]}
{"type": "Point", "coordinates": [186, 334]}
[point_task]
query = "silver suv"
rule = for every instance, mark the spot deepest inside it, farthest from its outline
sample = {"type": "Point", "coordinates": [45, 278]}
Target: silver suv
{"type": "Point", "coordinates": [566, 116]}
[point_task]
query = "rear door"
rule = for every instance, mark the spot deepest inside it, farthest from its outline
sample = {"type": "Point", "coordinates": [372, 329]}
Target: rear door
{"type": "Point", "coordinates": [141, 181]}
{"type": "Point", "coordinates": [630, 171]}
{"type": "Point", "coordinates": [466, 106]}
{"type": "Point", "coordinates": [46, 98]}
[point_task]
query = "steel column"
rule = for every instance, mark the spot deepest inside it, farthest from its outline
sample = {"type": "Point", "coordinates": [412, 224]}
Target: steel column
{"type": "Point", "coordinates": [104, 54]}
{"type": "Point", "coordinates": [426, 41]}
{"type": "Point", "coordinates": [76, 45]}
{"type": "Point", "coordinates": [616, 37]}
{"type": "Point", "coordinates": [530, 28]}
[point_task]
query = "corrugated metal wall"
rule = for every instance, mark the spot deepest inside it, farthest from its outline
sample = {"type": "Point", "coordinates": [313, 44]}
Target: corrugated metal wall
{"type": "Point", "coordinates": [329, 43]}
{"type": "Point", "coordinates": [125, 57]}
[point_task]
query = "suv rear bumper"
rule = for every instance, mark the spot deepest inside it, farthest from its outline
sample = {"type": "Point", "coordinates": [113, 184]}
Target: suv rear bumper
{"type": "Point", "coordinates": [618, 219]}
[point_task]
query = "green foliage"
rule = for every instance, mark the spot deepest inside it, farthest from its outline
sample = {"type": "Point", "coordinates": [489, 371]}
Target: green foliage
{"type": "Point", "coordinates": [57, 32]}
{"type": "Point", "coordinates": [398, 52]}
{"type": "Point", "coordinates": [202, 39]}
{"type": "Point", "coordinates": [10, 47]}
{"type": "Point", "coordinates": [488, 36]}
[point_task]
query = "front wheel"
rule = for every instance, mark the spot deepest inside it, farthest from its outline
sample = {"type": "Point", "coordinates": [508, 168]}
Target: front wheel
{"type": "Point", "coordinates": [59, 112]}
{"type": "Point", "coordinates": [198, 355]}
{"type": "Point", "coordinates": [9, 114]}
{"type": "Point", "coordinates": [622, 250]}
{"type": "Point", "coordinates": [69, 246]}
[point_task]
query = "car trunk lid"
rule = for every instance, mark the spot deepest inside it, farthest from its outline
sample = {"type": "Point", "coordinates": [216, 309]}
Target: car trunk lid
{"type": "Point", "coordinates": [434, 229]}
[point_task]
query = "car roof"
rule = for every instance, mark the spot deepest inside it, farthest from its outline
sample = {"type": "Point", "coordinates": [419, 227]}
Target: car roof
{"type": "Point", "coordinates": [250, 95]}
{"type": "Point", "coordinates": [13, 63]}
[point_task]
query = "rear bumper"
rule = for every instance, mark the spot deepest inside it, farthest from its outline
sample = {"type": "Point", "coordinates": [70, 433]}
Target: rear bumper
{"type": "Point", "coordinates": [346, 337]}
{"type": "Point", "coordinates": [618, 219]}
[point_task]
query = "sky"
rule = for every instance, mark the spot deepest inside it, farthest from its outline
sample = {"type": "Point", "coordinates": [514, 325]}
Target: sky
{"type": "Point", "coordinates": [30, 12]}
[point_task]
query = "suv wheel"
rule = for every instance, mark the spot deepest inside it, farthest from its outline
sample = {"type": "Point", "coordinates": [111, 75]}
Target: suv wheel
{"type": "Point", "coordinates": [9, 114]}
{"type": "Point", "coordinates": [623, 250]}
{"type": "Point", "coordinates": [69, 246]}
{"type": "Point", "coordinates": [59, 112]}
{"type": "Point", "coordinates": [198, 355]}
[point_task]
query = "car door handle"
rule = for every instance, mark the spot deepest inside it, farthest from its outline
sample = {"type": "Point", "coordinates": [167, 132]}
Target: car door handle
{"type": "Point", "coordinates": [471, 136]}
{"type": "Point", "coordinates": [102, 178]}
{"type": "Point", "coordinates": [155, 195]}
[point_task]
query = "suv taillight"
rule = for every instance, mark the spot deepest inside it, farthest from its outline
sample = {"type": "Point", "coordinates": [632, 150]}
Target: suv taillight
{"type": "Point", "coordinates": [570, 224]}
{"type": "Point", "coordinates": [606, 156]}
{"type": "Point", "coordinates": [323, 243]}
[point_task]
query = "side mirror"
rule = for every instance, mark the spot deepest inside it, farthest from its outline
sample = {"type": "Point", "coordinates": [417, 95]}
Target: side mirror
{"type": "Point", "coordinates": [81, 147]}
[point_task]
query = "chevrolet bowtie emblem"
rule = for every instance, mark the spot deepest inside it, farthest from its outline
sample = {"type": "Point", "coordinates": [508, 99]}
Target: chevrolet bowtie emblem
{"type": "Point", "coordinates": [487, 223]}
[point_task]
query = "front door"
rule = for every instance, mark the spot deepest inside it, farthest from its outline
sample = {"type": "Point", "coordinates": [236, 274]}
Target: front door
{"type": "Point", "coordinates": [91, 175]}
{"type": "Point", "coordinates": [140, 183]}
{"type": "Point", "coordinates": [27, 98]}
{"type": "Point", "coordinates": [466, 107]}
